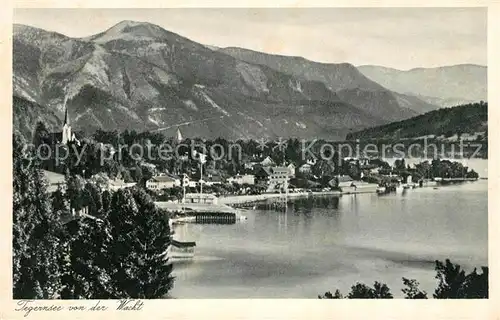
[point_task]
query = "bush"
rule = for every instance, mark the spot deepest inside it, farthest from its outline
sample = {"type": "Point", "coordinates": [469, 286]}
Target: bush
{"type": "Point", "coordinates": [454, 283]}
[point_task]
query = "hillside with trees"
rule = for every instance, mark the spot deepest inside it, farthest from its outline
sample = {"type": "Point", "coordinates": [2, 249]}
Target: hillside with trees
{"type": "Point", "coordinates": [465, 119]}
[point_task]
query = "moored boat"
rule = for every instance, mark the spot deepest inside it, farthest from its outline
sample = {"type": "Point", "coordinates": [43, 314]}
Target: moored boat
{"type": "Point", "coordinates": [181, 250]}
{"type": "Point", "coordinates": [381, 190]}
{"type": "Point", "coordinates": [399, 189]}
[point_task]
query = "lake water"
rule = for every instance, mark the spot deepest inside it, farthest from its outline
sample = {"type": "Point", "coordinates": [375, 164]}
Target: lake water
{"type": "Point", "coordinates": [323, 244]}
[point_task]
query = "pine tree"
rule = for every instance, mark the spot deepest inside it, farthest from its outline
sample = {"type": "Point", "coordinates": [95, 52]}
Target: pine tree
{"type": "Point", "coordinates": [451, 280]}
{"type": "Point", "coordinates": [92, 199]}
{"type": "Point", "coordinates": [140, 236]}
{"type": "Point", "coordinates": [35, 230]}
{"type": "Point", "coordinates": [83, 244]}
{"type": "Point", "coordinates": [411, 289]}
{"type": "Point", "coordinates": [86, 264]}
{"type": "Point", "coordinates": [74, 192]}
{"type": "Point", "coordinates": [41, 135]}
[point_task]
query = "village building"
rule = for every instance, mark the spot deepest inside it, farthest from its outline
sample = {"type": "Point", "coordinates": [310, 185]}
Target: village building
{"type": "Point", "coordinates": [311, 161]}
{"type": "Point", "coordinates": [291, 170]}
{"type": "Point", "coordinates": [267, 162]}
{"type": "Point", "coordinates": [211, 180]}
{"type": "Point", "coordinates": [205, 198]}
{"type": "Point", "coordinates": [305, 168]}
{"type": "Point", "coordinates": [344, 181]}
{"type": "Point", "coordinates": [249, 165]}
{"type": "Point", "coordinates": [242, 179]}
{"type": "Point", "coordinates": [279, 174]}
{"type": "Point", "coordinates": [262, 175]}
{"type": "Point", "coordinates": [55, 180]}
{"type": "Point", "coordinates": [163, 182]}
{"type": "Point", "coordinates": [117, 184]}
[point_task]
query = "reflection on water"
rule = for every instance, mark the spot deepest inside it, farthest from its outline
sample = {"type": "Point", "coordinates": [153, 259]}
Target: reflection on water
{"type": "Point", "coordinates": [324, 243]}
{"type": "Point", "coordinates": [306, 205]}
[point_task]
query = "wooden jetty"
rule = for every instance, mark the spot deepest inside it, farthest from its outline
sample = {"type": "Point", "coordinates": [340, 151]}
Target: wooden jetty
{"type": "Point", "coordinates": [215, 217]}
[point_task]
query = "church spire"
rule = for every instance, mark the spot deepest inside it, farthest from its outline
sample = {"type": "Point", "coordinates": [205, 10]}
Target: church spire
{"type": "Point", "coordinates": [66, 115]}
{"type": "Point", "coordinates": [66, 130]}
{"type": "Point", "coordinates": [179, 135]}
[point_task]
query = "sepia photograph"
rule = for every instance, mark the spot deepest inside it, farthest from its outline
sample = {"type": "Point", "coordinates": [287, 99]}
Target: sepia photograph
{"type": "Point", "coordinates": [250, 153]}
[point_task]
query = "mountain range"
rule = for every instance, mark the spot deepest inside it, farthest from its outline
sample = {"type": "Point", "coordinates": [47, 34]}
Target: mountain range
{"type": "Point", "coordinates": [140, 76]}
{"type": "Point", "coordinates": [444, 86]}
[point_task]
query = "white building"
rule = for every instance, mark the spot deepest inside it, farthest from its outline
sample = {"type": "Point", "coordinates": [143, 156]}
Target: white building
{"type": "Point", "coordinates": [279, 174]}
{"type": "Point", "coordinates": [305, 168]}
{"type": "Point", "coordinates": [163, 182]}
{"type": "Point", "coordinates": [55, 180]}
{"type": "Point", "coordinates": [345, 181]}
{"type": "Point", "coordinates": [242, 179]}
{"type": "Point", "coordinates": [205, 198]}
{"type": "Point", "coordinates": [267, 162]}
{"type": "Point", "coordinates": [117, 184]}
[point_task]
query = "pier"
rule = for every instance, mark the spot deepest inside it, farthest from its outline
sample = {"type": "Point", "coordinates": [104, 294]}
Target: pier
{"type": "Point", "coordinates": [215, 217]}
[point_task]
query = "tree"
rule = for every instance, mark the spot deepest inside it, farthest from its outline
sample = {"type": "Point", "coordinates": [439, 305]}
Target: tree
{"type": "Point", "coordinates": [329, 295]}
{"type": "Point", "coordinates": [137, 174]}
{"type": "Point", "coordinates": [379, 291]}
{"type": "Point", "coordinates": [399, 164]}
{"type": "Point", "coordinates": [354, 170]}
{"type": "Point", "coordinates": [139, 238]}
{"type": "Point", "coordinates": [92, 199]}
{"type": "Point", "coordinates": [100, 180]}
{"type": "Point", "coordinates": [41, 135]}
{"type": "Point", "coordinates": [454, 283]}
{"type": "Point", "coordinates": [362, 291]}
{"type": "Point", "coordinates": [74, 192]}
{"type": "Point", "coordinates": [477, 284]}
{"type": "Point", "coordinates": [451, 279]}
{"type": "Point", "coordinates": [35, 228]}
{"type": "Point", "coordinates": [84, 260]}
{"type": "Point", "coordinates": [472, 174]}
{"type": "Point", "coordinates": [411, 291]}
{"type": "Point", "coordinates": [323, 168]}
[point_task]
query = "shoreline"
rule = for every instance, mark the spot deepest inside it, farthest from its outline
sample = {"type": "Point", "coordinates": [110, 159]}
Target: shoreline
{"type": "Point", "coordinates": [228, 204]}
{"type": "Point", "coordinates": [242, 199]}
{"type": "Point", "coordinates": [235, 200]}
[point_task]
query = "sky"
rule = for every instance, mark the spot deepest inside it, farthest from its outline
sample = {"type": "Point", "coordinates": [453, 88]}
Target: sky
{"type": "Point", "coordinates": [401, 38]}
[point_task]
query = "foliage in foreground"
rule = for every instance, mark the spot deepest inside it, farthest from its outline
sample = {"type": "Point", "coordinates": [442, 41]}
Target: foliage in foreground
{"type": "Point", "coordinates": [453, 283]}
{"type": "Point", "coordinates": [117, 251]}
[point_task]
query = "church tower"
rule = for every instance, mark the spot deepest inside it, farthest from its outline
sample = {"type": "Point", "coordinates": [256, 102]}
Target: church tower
{"type": "Point", "coordinates": [66, 131]}
{"type": "Point", "coordinates": [179, 136]}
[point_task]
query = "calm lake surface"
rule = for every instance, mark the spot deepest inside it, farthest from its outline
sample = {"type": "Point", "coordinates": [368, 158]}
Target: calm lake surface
{"type": "Point", "coordinates": [322, 244]}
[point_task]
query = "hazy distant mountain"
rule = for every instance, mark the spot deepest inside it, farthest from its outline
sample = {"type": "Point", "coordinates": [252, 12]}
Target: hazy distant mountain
{"type": "Point", "coordinates": [445, 86]}
{"type": "Point", "coordinates": [140, 76]}
{"type": "Point", "coordinates": [345, 79]}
